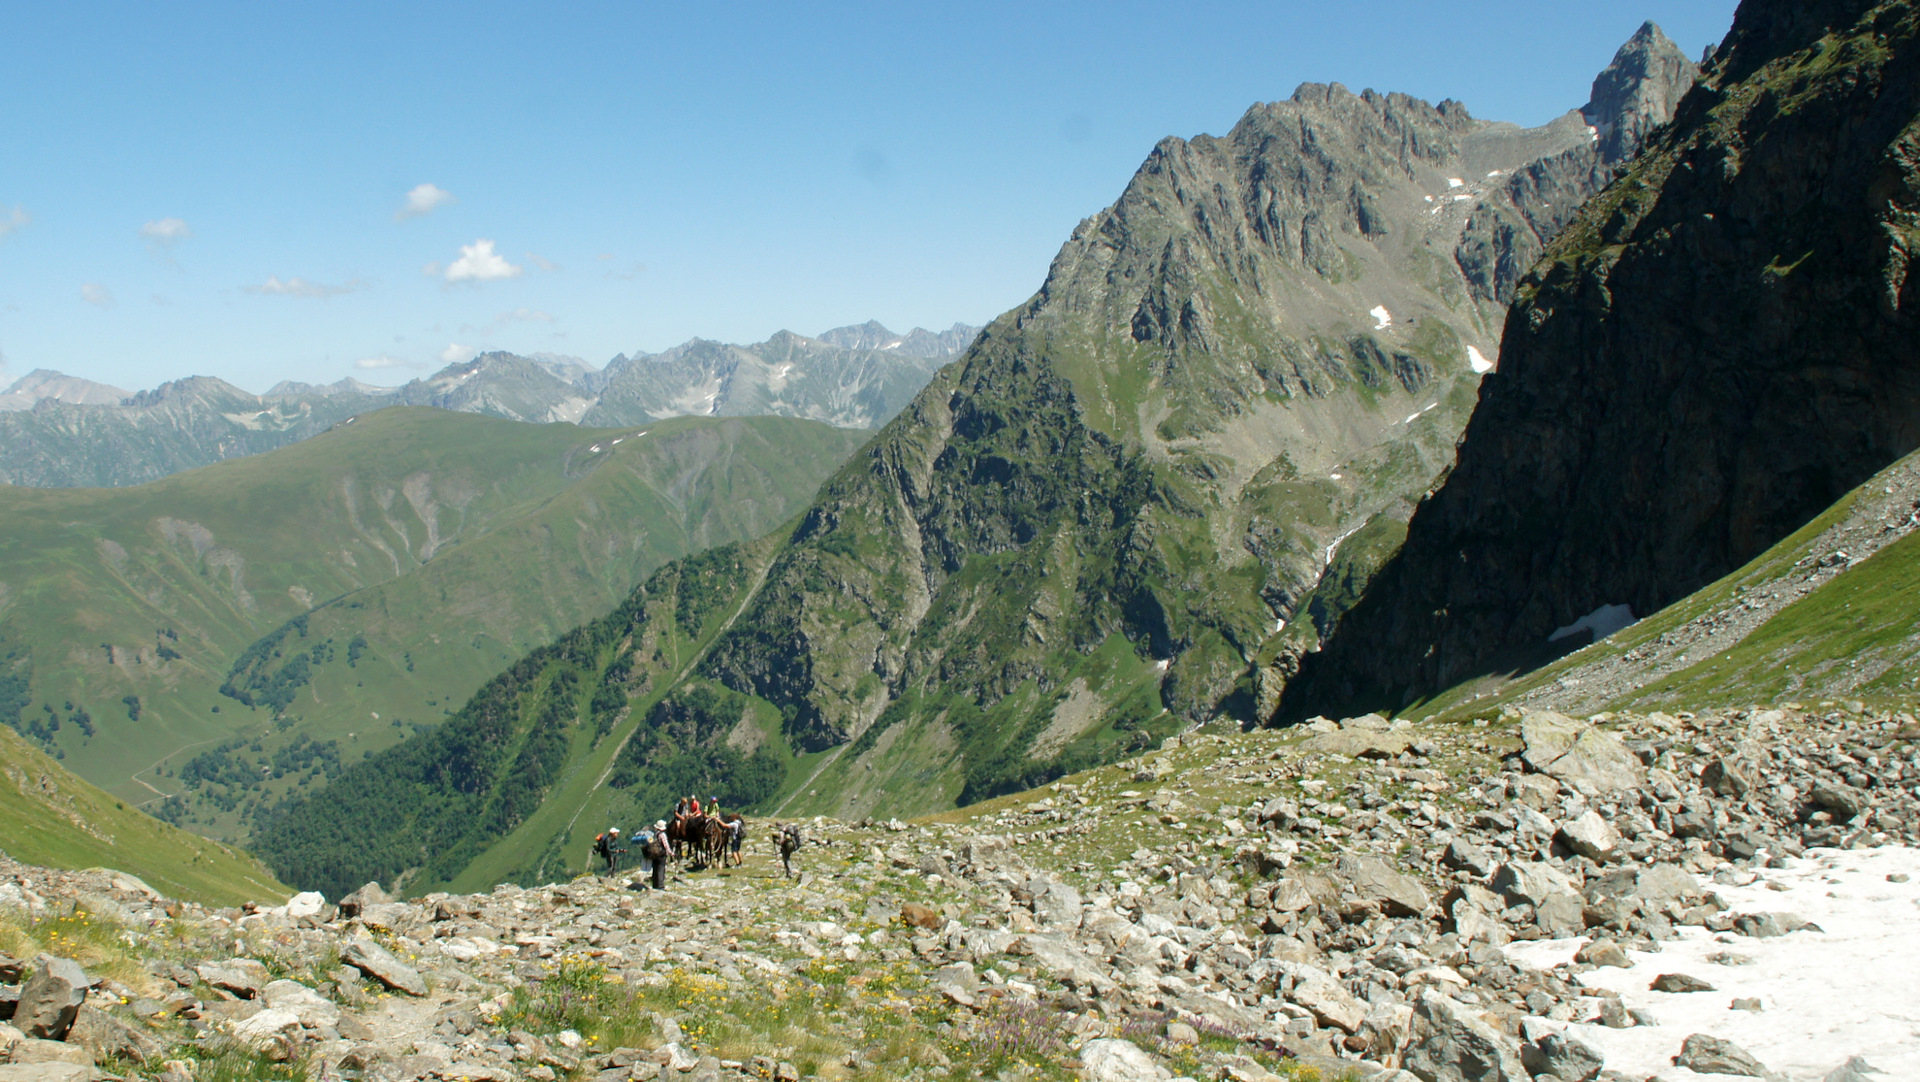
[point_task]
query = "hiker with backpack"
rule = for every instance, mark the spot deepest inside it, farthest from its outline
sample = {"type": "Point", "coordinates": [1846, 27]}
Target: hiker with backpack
{"type": "Point", "coordinates": [790, 842]}
{"type": "Point", "coordinates": [656, 851]}
{"type": "Point", "coordinates": [607, 846]}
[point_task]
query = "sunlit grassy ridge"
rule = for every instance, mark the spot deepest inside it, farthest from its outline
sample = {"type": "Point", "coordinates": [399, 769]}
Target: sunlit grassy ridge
{"type": "Point", "coordinates": [50, 817]}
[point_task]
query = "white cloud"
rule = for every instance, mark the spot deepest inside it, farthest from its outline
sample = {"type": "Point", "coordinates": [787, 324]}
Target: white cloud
{"type": "Point", "coordinates": [166, 232]}
{"type": "Point", "coordinates": [478, 262]}
{"type": "Point", "coordinates": [455, 353]}
{"type": "Point", "coordinates": [300, 287]}
{"type": "Point", "coordinates": [382, 361]}
{"type": "Point", "coordinates": [14, 220]}
{"type": "Point", "coordinates": [423, 199]}
{"type": "Point", "coordinates": [95, 293]}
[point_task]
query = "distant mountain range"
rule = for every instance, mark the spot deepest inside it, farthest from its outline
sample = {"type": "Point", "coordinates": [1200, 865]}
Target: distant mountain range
{"type": "Point", "coordinates": [57, 431]}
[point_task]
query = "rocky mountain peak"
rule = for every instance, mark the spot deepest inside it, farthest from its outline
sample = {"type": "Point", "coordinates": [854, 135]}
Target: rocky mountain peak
{"type": "Point", "coordinates": [1716, 350]}
{"type": "Point", "coordinates": [1637, 92]}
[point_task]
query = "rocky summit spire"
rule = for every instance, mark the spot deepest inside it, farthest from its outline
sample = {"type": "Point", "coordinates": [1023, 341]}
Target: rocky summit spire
{"type": "Point", "coordinates": [1637, 92]}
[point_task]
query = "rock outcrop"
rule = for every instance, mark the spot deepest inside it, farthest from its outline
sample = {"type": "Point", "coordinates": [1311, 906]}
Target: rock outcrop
{"type": "Point", "coordinates": [1715, 351]}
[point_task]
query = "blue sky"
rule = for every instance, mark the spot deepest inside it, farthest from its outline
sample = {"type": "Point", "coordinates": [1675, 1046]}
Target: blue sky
{"type": "Point", "coordinates": [276, 191]}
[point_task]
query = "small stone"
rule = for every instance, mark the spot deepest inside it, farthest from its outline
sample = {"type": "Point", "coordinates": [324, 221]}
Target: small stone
{"type": "Point", "coordinates": [1747, 1004]}
{"type": "Point", "coordinates": [1604, 952]}
{"type": "Point", "coordinates": [919, 916]}
{"type": "Point", "coordinates": [1679, 982]}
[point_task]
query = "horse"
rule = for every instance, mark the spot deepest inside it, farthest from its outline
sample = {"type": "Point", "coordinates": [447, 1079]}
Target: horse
{"type": "Point", "coordinates": [713, 838]}
{"type": "Point", "coordinates": [703, 839]}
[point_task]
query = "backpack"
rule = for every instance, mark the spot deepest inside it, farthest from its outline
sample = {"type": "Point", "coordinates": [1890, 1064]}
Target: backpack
{"type": "Point", "coordinates": [600, 844]}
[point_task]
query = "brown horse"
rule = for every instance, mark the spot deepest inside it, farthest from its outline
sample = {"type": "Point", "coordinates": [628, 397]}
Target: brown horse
{"type": "Point", "coordinates": [713, 842]}
{"type": "Point", "coordinates": [703, 839]}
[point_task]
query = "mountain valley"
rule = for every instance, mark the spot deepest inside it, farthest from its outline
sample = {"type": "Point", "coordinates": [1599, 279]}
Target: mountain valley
{"type": "Point", "coordinates": [232, 633]}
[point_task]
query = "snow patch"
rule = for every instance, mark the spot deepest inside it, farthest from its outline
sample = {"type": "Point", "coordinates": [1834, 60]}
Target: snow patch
{"type": "Point", "coordinates": [595, 449]}
{"type": "Point", "coordinates": [1382, 319]}
{"type": "Point", "coordinates": [1456, 182]}
{"type": "Point", "coordinates": [1335, 476]}
{"type": "Point", "coordinates": [1411, 417]}
{"type": "Point", "coordinates": [1477, 361]}
{"type": "Point", "coordinates": [1279, 626]}
{"type": "Point", "coordinates": [1493, 174]}
{"type": "Point", "coordinates": [1846, 990]}
{"type": "Point", "coordinates": [1602, 621]}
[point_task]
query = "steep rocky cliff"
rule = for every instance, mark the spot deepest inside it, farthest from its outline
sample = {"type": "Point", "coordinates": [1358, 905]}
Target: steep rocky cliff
{"type": "Point", "coordinates": [1718, 348]}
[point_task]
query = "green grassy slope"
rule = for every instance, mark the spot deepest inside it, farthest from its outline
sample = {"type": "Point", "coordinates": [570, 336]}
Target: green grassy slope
{"type": "Point", "coordinates": [1826, 627]}
{"type": "Point", "coordinates": [55, 819]}
{"type": "Point", "coordinates": [350, 589]}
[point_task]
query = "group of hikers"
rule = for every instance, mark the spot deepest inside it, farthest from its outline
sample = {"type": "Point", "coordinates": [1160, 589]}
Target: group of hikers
{"type": "Point", "coordinates": [703, 832]}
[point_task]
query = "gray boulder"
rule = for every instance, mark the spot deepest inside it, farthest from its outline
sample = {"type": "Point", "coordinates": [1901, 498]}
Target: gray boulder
{"type": "Point", "coordinates": [375, 961]}
{"type": "Point", "coordinates": [50, 1001]}
{"type": "Point", "coordinates": [1856, 1069]}
{"type": "Point", "coordinates": [241, 977]}
{"type": "Point", "coordinates": [1458, 1046]}
{"type": "Point", "coordinates": [1713, 1055]}
{"type": "Point", "coordinates": [1112, 1059]}
{"type": "Point", "coordinates": [371, 894]}
{"type": "Point", "coordinates": [1592, 837]}
{"type": "Point", "coordinates": [1376, 887]}
{"type": "Point", "coordinates": [1590, 760]}
{"type": "Point", "coordinates": [1564, 1056]}
{"type": "Point", "coordinates": [1530, 881]}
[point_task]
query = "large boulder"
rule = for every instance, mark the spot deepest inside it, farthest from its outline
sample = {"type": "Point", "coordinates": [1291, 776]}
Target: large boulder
{"type": "Point", "coordinates": [1112, 1059]}
{"type": "Point", "coordinates": [1456, 1045]}
{"type": "Point", "coordinates": [1591, 836]}
{"type": "Point", "coordinates": [1360, 743]}
{"type": "Point", "coordinates": [1592, 761]}
{"type": "Point", "coordinates": [242, 978]}
{"type": "Point", "coordinates": [1316, 990]}
{"type": "Point", "coordinates": [1708, 1054]}
{"type": "Point", "coordinates": [357, 902]}
{"type": "Point", "coordinates": [1530, 881]}
{"type": "Point", "coordinates": [377, 962]}
{"type": "Point", "coordinates": [51, 999]}
{"type": "Point", "coordinates": [1375, 887]}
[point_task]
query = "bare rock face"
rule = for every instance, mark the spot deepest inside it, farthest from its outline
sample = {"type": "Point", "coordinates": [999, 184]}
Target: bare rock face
{"type": "Point", "coordinates": [1717, 349]}
{"type": "Point", "coordinates": [1638, 92]}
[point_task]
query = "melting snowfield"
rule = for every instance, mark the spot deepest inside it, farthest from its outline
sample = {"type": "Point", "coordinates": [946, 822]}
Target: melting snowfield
{"type": "Point", "coordinates": [1851, 988]}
